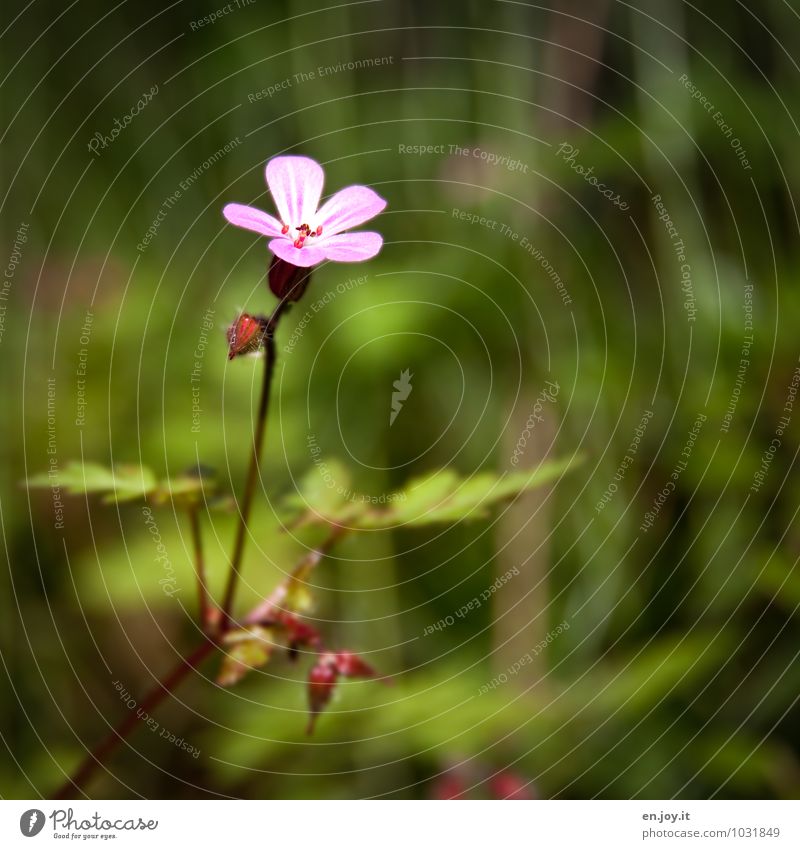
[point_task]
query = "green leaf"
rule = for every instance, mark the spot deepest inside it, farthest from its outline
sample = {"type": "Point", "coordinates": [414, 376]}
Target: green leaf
{"type": "Point", "coordinates": [123, 483]}
{"type": "Point", "coordinates": [186, 490]}
{"type": "Point", "coordinates": [444, 497]}
{"type": "Point", "coordinates": [441, 497]}
{"type": "Point", "coordinates": [323, 496]}
{"type": "Point", "coordinates": [249, 648]}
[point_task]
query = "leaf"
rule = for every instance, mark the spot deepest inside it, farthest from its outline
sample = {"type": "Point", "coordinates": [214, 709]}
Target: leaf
{"type": "Point", "coordinates": [443, 497]}
{"type": "Point", "coordinates": [439, 497]}
{"type": "Point", "coordinates": [130, 482]}
{"type": "Point", "coordinates": [186, 489]}
{"type": "Point", "coordinates": [323, 496]}
{"type": "Point", "coordinates": [127, 482]}
{"type": "Point", "coordinates": [325, 485]}
{"type": "Point", "coordinates": [250, 648]}
{"type": "Point", "coordinates": [123, 483]}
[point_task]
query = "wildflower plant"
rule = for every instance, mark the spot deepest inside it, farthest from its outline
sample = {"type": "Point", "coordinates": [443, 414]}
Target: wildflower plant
{"type": "Point", "coordinates": [303, 235]}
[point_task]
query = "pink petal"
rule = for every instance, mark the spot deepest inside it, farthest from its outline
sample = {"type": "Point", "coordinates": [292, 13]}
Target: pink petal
{"type": "Point", "coordinates": [301, 257]}
{"type": "Point", "coordinates": [348, 208]}
{"type": "Point", "coordinates": [351, 247]}
{"type": "Point", "coordinates": [296, 186]}
{"type": "Point", "coordinates": [252, 219]}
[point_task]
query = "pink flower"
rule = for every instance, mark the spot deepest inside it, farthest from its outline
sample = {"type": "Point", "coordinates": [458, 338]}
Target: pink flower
{"type": "Point", "coordinates": [305, 234]}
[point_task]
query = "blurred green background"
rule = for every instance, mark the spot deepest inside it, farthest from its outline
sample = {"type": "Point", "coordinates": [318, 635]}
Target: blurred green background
{"type": "Point", "coordinates": [678, 675]}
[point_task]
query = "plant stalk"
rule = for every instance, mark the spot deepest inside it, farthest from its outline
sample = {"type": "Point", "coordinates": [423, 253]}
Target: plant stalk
{"type": "Point", "coordinates": [165, 687]}
{"type": "Point", "coordinates": [204, 606]}
{"type": "Point", "coordinates": [252, 471]}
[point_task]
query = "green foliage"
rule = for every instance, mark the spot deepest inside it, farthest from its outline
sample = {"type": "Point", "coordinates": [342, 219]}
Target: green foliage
{"type": "Point", "coordinates": [126, 482]}
{"type": "Point", "coordinates": [123, 483]}
{"type": "Point", "coordinates": [440, 497]}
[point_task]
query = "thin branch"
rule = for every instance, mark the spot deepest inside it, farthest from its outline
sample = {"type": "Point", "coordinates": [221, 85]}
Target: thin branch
{"type": "Point", "coordinates": [98, 755]}
{"type": "Point", "coordinates": [205, 611]}
{"type": "Point", "coordinates": [253, 470]}
{"type": "Point", "coordinates": [276, 598]}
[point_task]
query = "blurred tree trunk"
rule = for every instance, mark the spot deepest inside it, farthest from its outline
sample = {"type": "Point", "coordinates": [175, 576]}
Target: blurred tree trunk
{"type": "Point", "coordinates": [570, 67]}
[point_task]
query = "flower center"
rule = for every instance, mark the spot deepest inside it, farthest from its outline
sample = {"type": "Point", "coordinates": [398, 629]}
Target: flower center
{"type": "Point", "coordinates": [304, 231]}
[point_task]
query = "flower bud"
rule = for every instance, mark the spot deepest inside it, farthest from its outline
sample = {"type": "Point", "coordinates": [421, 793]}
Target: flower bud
{"type": "Point", "coordinates": [298, 634]}
{"type": "Point", "coordinates": [286, 281]}
{"type": "Point", "coordinates": [321, 684]}
{"type": "Point", "coordinates": [448, 786]}
{"type": "Point", "coordinates": [352, 666]}
{"type": "Point", "coordinates": [245, 335]}
{"type": "Point", "coordinates": [509, 785]}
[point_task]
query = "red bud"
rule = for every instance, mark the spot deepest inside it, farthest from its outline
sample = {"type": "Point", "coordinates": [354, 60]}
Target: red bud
{"type": "Point", "coordinates": [352, 666]}
{"type": "Point", "coordinates": [509, 785]}
{"type": "Point", "coordinates": [245, 335]}
{"type": "Point", "coordinates": [448, 786]}
{"type": "Point", "coordinates": [297, 633]}
{"type": "Point", "coordinates": [321, 684]}
{"type": "Point", "coordinates": [286, 281]}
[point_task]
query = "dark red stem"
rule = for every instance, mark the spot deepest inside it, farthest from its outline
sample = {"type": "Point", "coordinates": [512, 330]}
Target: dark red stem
{"type": "Point", "coordinates": [164, 688]}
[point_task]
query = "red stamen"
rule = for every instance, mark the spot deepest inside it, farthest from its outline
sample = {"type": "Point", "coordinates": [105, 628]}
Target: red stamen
{"type": "Point", "coordinates": [319, 230]}
{"type": "Point", "coordinates": [285, 229]}
{"type": "Point", "coordinates": [298, 243]}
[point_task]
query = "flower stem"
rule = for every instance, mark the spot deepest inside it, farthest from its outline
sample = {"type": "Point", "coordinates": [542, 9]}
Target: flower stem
{"type": "Point", "coordinates": [253, 470]}
{"type": "Point", "coordinates": [96, 757]}
{"type": "Point", "coordinates": [204, 612]}
{"type": "Point", "coordinates": [276, 598]}
{"type": "Point", "coordinates": [165, 686]}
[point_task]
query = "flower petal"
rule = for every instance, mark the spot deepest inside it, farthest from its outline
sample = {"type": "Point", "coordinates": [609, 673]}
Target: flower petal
{"type": "Point", "coordinates": [252, 219]}
{"type": "Point", "coordinates": [296, 185]}
{"type": "Point", "coordinates": [351, 247]}
{"type": "Point", "coordinates": [348, 208]}
{"type": "Point", "coordinates": [301, 257]}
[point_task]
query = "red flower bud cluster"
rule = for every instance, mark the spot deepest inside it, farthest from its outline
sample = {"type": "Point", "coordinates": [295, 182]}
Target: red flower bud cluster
{"type": "Point", "coordinates": [459, 780]}
{"type": "Point", "coordinates": [509, 785]}
{"type": "Point", "coordinates": [323, 677]}
{"type": "Point", "coordinates": [298, 634]}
